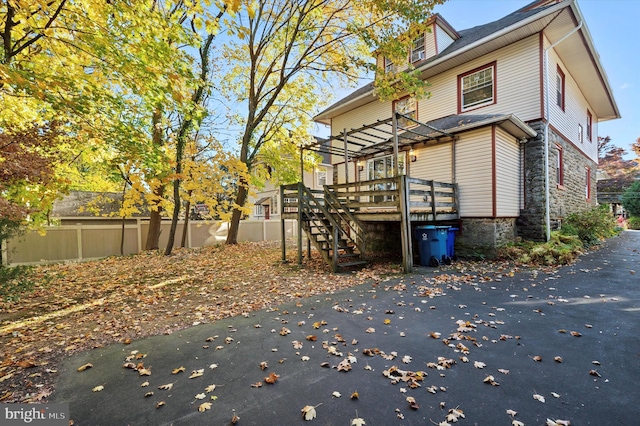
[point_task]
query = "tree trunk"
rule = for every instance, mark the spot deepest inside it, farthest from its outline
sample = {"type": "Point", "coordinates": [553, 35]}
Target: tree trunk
{"type": "Point", "coordinates": [155, 219]}
{"type": "Point", "coordinates": [176, 207]}
{"type": "Point", "coordinates": [187, 213]}
{"type": "Point", "coordinates": [234, 226]}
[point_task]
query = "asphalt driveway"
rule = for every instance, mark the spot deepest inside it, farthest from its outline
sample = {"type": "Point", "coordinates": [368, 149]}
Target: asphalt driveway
{"type": "Point", "coordinates": [434, 337]}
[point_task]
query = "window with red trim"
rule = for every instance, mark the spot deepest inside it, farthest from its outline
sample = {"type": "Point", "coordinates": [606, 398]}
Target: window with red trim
{"type": "Point", "coordinates": [588, 182]}
{"type": "Point", "coordinates": [559, 166]}
{"type": "Point", "coordinates": [560, 88]}
{"type": "Point", "coordinates": [406, 106]}
{"type": "Point", "coordinates": [477, 88]}
{"type": "Point", "coordinates": [589, 126]}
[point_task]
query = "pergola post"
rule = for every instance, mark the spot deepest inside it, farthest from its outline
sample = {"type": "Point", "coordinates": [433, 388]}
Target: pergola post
{"type": "Point", "coordinates": [346, 156]}
{"type": "Point", "coordinates": [403, 191]}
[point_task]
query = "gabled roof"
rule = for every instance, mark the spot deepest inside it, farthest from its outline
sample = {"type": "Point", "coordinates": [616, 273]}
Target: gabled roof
{"type": "Point", "coordinates": [556, 18]}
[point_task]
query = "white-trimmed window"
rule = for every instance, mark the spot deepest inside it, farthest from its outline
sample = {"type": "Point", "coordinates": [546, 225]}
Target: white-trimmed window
{"type": "Point", "coordinates": [406, 106]}
{"type": "Point", "coordinates": [389, 66]}
{"type": "Point", "coordinates": [580, 133]}
{"type": "Point", "coordinates": [417, 49]}
{"type": "Point", "coordinates": [381, 168]}
{"type": "Point", "coordinates": [477, 88]}
{"type": "Point", "coordinates": [321, 176]}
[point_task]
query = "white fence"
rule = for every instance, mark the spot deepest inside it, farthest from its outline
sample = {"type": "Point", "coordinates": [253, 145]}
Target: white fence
{"type": "Point", "coordinates": [86, 241]}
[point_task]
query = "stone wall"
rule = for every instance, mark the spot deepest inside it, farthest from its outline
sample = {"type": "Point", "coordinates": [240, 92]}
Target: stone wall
{"type": "Point", "coordinates": [564, 199]}
{"type": "Point", "coordinates": [383, 237]}
{"type": "Point", "coordinates": [480, 237]}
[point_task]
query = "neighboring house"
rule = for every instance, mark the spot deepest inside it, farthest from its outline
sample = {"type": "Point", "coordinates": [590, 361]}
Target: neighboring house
{"type": "Point", "coordinates": [266, 201]}
{"type": "Point", "coordinates": [511, 123]}
{"type": "Point", "coordinates": [91, 208]}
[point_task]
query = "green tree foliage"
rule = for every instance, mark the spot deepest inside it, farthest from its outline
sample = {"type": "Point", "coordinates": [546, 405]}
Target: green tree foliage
{"type": "Point", "coordinates": [631, 199]}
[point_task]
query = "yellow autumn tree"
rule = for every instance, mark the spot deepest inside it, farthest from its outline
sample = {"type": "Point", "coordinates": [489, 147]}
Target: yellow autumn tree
{"type": "Point", "coordinates": [282, 53]}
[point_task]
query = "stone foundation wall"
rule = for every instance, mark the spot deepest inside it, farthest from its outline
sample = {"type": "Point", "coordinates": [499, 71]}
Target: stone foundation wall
{"type": "Point", "coordinates": [481, 237]}
{"type": "Point", "coordinates": [565, 199]}
{"type": "Point", "coordinates": [383, 237]}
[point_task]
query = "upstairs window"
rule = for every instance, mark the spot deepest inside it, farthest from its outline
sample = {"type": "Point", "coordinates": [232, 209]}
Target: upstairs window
{"type": "Point", "coordinates": [477, 88]}
{"type": "Point", "coordinates": [417, 49]}
{"type": "Point", "coordinates": [406, 106]}
{"type": "Point", "coordinates": [589, 126]}
{"type": "Point", "coordinates": [560, 89]}
{"type": "Point", "coordinates": [388, 65]}
{"type": "Point", "coordinates": [580, 134]}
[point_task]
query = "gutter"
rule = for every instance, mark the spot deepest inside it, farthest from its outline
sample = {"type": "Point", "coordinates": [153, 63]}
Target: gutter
{"type": "Point", "coordinates": [547, 215]}
{"type": "Point", "coordinates": [496, 120]}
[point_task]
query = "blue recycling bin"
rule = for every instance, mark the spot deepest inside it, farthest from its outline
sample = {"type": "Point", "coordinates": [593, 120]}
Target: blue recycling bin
{"type": "Point", "coordinates": [432, 244]}
{"type": "Point", "coordinates": [451, 239]}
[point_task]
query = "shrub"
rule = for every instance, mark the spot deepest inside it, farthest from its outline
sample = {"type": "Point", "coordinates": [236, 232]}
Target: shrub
{"type": "Point", "coordinates": [559, 250]}
{"type": "Point", "coordinates": [633, 222]}
{"type": "Point", "coordinates": [591, 226]}
{"type": "Point", "coordinates": [631, 199]}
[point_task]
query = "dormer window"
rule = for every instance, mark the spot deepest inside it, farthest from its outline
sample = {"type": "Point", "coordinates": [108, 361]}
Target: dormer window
{"type": "Point", "coordinates": [417, 49]}
{"type": "Point", "coordinates": [388, 65]}
{"type": "Point", "coordinates": [477, 88]}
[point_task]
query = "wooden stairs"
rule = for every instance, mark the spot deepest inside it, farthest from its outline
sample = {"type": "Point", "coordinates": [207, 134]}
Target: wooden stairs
{"type": "Point", "coordinates": [332, 228]}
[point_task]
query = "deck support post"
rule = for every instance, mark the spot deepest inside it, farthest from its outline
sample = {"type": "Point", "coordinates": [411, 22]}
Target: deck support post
{"type": "Point", "coordinates": [283, 225]}
{"type": "Point", "coordinates": [300, 186]}
{"type": "Point", "coordinates": [405, 224]}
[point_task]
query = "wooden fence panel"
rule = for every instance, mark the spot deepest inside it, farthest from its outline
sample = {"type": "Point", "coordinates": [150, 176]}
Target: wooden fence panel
{"type": "Point", "coordinates": [76, 242]}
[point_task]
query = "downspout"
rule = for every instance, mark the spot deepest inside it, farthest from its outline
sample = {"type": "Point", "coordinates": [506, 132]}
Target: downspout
{"type": "Point", "coordinates": [547, 215]}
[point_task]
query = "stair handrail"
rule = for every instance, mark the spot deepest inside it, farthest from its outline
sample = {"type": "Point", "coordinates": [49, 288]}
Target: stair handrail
{"type": "Point", "coordinates": [352, 222]}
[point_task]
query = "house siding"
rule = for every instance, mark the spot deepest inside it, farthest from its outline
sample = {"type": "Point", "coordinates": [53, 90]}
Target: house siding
{"type": "Point", "coordinates": [433, 163]}
{"type": "Point", "coordinates": [430, 47]}
{"type": "Point", "coordinates": [575, 111]}
{"type": "Point", "coordinates": [508, 175]}
{"type": "Point", "coordinates": [474, 176]}
{"type": "Point", "coordinates": [443, 40]}
{"type": "Point", "coordinates": [515, 64]}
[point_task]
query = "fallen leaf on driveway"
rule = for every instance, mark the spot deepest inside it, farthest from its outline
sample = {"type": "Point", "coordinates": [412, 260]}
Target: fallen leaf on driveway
{"type": "Point", "coordinates": [204, 407]}
{"type": "Point", "coordinates": [309, 412]}
{"type": "Point", "coordinates": [538, 397]}
{"type": "Point", "coordinates": [85, 367]}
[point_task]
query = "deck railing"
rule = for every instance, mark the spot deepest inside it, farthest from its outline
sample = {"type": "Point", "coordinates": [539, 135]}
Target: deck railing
{"type": "Point", "coordinates": [437, 199]}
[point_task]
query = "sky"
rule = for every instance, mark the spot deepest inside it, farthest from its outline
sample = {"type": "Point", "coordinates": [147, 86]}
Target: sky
{"type": "Point", "coordinates": [613, 25]}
